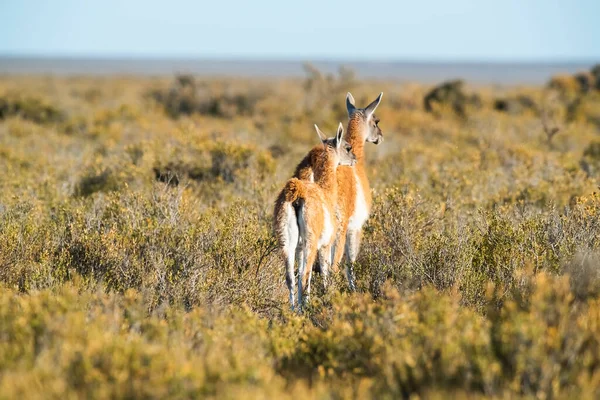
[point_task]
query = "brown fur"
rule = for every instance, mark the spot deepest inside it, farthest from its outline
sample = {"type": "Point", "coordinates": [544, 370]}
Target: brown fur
{"type": "Point", "coordinates": [304, 170]}
{"type": "Point", "coordinates": [293, 190]}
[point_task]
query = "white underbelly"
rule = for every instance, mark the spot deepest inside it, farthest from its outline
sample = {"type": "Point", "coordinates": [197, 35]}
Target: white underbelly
{"type": "Point", "coordinates": [361, 211]}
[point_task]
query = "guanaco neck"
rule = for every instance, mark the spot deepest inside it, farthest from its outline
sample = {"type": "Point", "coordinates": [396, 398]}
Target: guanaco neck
{"type": "Point", "coordinates": [355, 137]}
{"type": "Point", "coordinates": [324, 167]}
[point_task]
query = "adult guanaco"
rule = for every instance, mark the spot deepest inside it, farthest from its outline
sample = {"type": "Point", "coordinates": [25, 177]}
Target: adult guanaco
{"type": "Point", "coordinates": [354, 193]}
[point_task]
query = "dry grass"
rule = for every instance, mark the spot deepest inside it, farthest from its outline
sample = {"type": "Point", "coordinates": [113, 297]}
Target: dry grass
{"type": "Point", "coordinates": [137, 258]}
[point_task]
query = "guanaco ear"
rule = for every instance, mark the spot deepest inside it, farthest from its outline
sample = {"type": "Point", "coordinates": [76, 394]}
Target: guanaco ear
{"type": "Point", "coordinates": [370, 109]}
{"type": "Point", "coordinates": [350, 104]}
{"type": "Point", "coordinates": [338, 136]}
{"type": "Point", "coordinates": [322, 136]}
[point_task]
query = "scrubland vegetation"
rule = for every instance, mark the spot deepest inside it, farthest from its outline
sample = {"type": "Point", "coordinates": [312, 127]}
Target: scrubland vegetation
{"type": "Point", "coordinates": [137, 258]}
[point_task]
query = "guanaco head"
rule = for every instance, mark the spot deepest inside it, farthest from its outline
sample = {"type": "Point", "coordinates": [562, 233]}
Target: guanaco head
{"type": "Point", "coordinates": [337, 147]}
{"type": "Point", "coordinates": [366, 118]}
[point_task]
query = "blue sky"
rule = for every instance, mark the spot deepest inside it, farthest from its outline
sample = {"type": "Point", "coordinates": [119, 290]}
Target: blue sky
{"type": "Point", "coordinates": [442, 30]}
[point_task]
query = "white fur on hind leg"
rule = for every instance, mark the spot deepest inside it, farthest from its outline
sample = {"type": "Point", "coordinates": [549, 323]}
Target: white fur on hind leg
{"type": "Point", "coordinates": [301, 270]}
{"type": "Point", "coordinates": [352, 245]}
{"type": "Point", "coordinates": [290, 243]}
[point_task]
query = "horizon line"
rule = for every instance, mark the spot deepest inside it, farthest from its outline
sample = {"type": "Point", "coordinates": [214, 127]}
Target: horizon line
{"type": "Point", "coordinates": [298, 59]}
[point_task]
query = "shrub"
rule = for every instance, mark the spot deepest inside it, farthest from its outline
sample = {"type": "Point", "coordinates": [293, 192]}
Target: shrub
{"type": "Point", "coordinates": [212, 166]}
{"type": "Point", "coordinates": [29, 108]}
{"type": "Point", "coordinates": [590, 161]}
{"type": "Point", "coordinates": [448, 94]}
{"type": "Point", "coordinates": [92, 182]}
{"type": "Point", "coordinates": [186, 97]}
{"type": "Point", "coordinates": [516, 105]}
